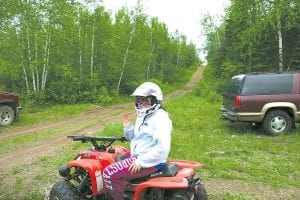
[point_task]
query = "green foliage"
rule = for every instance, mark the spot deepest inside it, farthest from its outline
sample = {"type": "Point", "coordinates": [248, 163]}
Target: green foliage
{"type": "Point", "coordinates": [60, 52]}
{"type": "Point", "coordinates": [248, 38]}
{"type": "Point", "coordinates": [209, 87]}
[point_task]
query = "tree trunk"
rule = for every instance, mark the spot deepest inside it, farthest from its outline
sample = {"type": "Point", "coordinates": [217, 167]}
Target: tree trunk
{"type": "Point", "coordinates": [30, 60]}
{"type": "Point", "coordinates": [37, 80]}
{"type": "Point", "coordinates": [280, 47]}
{"type": "Point", "coordinates": [178, 55]}
{"type": "Point", "coordinates": [149, 63]}
{"type": "Point", "coordinates": [79, 39]}
{"type": "Point", "coordinates": [92, 54]}
{"type": "Point", "coordinates": [125, 59]}
{"type": "Point", "coordinates": [46, 61]}
{"type": "Point", "coordinates": [26, 79]}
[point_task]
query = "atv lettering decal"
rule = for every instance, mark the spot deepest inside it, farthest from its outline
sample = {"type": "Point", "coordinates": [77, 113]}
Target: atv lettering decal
{"type": "Point", "coordinates": [114, 168]}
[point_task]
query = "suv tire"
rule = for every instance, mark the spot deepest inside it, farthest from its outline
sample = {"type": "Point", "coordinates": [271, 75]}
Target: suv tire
{"type": "Point", "coordinates": [7, 115]}
{"type": "Point", "coordinates": [277, 122]}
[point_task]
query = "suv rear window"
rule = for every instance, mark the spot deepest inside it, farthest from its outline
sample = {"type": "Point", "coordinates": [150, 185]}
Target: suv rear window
{"type": "Point", "coordinates": [267, 84]}
{"type": "Point", "coordinates": [235, 84]}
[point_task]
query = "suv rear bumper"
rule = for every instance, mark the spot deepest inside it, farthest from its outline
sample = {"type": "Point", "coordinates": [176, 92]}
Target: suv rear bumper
{"type": "Point", "coordinates": [228, 115]}
{"type": "Point", "coordinates": [18, 110]}
{"type": "Point", "coordinates": [242, 117]}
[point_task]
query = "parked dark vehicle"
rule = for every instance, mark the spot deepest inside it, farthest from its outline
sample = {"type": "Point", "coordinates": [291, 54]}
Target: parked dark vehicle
{"type": "Point", "coordinates": [9, 108]}
{"type": "Point", "coordinates": [270, 100]}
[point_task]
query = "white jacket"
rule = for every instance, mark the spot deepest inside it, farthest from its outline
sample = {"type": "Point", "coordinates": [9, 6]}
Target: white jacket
{"type": "Point", "coordinates": [150, 138]}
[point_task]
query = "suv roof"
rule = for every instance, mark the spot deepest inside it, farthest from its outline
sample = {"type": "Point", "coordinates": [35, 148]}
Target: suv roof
{"type": "Point", "coordinates": [260, 84]}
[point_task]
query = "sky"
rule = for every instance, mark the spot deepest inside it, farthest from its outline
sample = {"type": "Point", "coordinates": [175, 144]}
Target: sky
{"type": "Point", "coordinates": [182, 15]}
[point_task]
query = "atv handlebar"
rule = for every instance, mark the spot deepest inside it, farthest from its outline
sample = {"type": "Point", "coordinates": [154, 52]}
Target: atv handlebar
{"type": "Point", "coordinates": [106, 141]}
{"type": "Point", "coordinates": [84, 138]}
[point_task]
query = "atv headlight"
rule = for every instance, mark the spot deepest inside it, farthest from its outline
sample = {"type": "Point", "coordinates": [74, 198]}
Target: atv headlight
{"type": "Point", "coordinates": [64, 171]}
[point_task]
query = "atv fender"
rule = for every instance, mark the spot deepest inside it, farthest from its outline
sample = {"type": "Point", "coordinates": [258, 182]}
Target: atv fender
{"type": "Point", "coordinates": [160, 182]}
{"type": "Point", "coordinates": [187, 163]}
{"type": "Point", "coordinates": [94, 168]}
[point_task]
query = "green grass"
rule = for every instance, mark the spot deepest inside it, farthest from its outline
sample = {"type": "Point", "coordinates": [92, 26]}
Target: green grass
{"type": "Point", "coordinates": [229, 151]}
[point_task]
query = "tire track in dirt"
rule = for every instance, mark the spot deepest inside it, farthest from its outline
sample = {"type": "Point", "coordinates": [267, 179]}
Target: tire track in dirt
{"type": "Point", "coordinates": [27, 154]}
{"type": "Point", "coordinates": [60, 123]}
{"type": "Point", "coordinates": [192, 82]}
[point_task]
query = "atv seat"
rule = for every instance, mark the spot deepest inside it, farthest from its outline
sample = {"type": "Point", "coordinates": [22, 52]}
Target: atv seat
{"type": "Point", "coordinates": [170, 169]}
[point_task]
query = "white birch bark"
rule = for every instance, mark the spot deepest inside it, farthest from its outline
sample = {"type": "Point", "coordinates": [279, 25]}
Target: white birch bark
{"type": "Point", "coordinates": [149, 63]}
{"type": "Point", "coordinates": [151, 53]}
{"type": "Point", "coordinates": [36, 70]}
{"type": "Point", "coordinates": [92, 54]}
{"type": "Point", "coordinates": [138, 10]}
{"type": "Point", "coordinates": [26, 79]}
{"type": "Point", "coordinates": [280, 47]}
{"type": "Point", "coordinates": [37, 80]}
{"type": "Point", "coordinates": [33, 80]}
{"type": "Point", "coordinates": [79, 39]}
{"type": "Point", "coordinates": [30, 60]}
{"type": "Point", "coordinates": [125, 58]}
{"type": "Point", "coordinates": [45, 65]}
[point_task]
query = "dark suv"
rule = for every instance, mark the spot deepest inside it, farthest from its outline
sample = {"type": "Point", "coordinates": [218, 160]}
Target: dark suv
{"type": "Point", "coordinates": [9, 108]}
{"type": "Point", "coordinates": [271, 100]}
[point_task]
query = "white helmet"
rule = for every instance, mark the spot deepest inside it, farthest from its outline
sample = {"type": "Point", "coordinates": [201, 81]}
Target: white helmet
{"type": "Point", "coordinates": [153, 93]}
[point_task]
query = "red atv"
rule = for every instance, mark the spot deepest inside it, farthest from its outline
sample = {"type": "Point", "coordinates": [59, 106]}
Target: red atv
{"type": "Point", "coordinates": [83, 176]}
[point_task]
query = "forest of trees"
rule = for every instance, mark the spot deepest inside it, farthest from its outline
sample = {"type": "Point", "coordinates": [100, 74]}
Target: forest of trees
{"type": "Point", "coordinates": [255, 36]}
{"type": "Point", "coordinates": [62, 51]}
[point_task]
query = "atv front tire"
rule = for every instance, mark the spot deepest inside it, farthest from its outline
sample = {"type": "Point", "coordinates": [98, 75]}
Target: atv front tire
{"type": "Point", "coordinates": [63, 191]}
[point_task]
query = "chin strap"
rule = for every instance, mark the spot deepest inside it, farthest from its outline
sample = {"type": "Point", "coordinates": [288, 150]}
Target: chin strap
{"type": "Point", "coordinates": [147, 111]}
{"type": "Point", "coordinates": [153, 108]}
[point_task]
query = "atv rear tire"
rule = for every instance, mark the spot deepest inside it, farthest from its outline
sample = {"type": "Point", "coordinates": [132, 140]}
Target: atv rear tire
{"type": "Point", "coordinates": [63, 191]}
{"type": "Point", "coordinates": [201, 193]}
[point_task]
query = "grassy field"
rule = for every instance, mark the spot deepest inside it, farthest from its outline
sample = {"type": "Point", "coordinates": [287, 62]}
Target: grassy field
{"type": "Point", "coordinates": [229, 151]}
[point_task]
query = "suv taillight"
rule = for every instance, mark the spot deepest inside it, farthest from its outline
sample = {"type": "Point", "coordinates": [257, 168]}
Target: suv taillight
{"type": "Point", "coordinates": [237, 102]}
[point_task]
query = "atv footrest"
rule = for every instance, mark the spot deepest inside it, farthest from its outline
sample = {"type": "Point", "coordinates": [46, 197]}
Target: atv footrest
{"type": "Point", "coordinates": [128, 196]}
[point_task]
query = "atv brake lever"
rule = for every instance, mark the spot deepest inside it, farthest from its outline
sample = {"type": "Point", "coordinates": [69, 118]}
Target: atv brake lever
{"type": "Point", "coordinates": [81, 138]}
{"type": "Point", "coordinates": [123, 139]}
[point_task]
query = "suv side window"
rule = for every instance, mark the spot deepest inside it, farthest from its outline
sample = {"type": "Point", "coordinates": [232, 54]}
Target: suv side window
{"type": "Point", "coordinates": [267, 84]}
{"type": "Point", "coordinates": [234, 86]}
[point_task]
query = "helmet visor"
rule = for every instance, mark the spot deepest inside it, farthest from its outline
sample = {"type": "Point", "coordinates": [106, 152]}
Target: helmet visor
{"type": "Point", "coordinates": [142, 101]}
